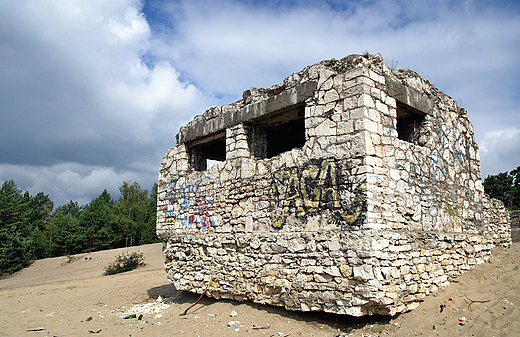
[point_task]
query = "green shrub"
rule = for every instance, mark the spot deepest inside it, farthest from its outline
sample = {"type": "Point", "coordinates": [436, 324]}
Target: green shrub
{"type": "Point", "coordinates": [125, 262]}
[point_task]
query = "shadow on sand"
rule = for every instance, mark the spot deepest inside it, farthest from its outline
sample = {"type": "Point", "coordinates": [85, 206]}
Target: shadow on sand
{"type": "Point", "coordinates": [344, 323]}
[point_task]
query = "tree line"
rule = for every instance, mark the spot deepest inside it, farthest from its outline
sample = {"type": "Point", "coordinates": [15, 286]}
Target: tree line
{"type": "Point", "coordinates": [505, 186]}
{"type": "Point", "coordinates": [30, 227]}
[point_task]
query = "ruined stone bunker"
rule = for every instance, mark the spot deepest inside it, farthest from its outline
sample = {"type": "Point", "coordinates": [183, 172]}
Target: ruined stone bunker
{"type": "Point", "coordinates": [349, 188]}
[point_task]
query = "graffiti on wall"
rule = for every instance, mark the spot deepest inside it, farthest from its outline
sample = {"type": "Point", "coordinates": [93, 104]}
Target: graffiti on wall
{"type": "Point", "coordinates": [190, 205]}
{"type": "Point", "coordinates": [319, 186]}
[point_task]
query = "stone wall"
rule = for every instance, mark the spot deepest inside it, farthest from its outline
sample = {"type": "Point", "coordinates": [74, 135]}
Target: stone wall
{"type": "Point", "coordinates": [349, 188]}
{"type": "Point", "coordinates": [515, 225]}
{"type": "Point", "coordinates": [515, 219]}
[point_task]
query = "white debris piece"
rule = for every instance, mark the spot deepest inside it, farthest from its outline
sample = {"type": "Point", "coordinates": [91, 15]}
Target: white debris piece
{"type": "Point", "coordinates": [150, 308]}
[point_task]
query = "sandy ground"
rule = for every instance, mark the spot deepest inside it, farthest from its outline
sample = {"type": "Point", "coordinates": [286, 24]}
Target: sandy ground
{"type": "Point", "coordinates": [71, 297]}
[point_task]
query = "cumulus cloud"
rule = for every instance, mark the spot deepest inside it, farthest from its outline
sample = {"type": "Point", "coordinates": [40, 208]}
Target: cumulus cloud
{"type": "Point", "coordinates": [77, 93]}
{"type": "Point", "coordinates": [499, 151]}
{"type": "Point", "coordinates": [83, 65]}
{"type": "Point", "coordinates": [264, 41]}
{"type": "Point", "coordinates": [71, 181]}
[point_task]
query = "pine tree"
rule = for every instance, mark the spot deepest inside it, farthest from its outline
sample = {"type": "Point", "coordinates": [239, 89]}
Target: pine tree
{"type": "Point", "coordinates": [132, 213]}
{"type": "Point", "coordinates": [505, 187]}
{"type": "Point", "coordinates": [64, 232]}
{"type": "Point", "coordinates": [99, 222]}
{"type": "Point", "coordinates": [16, 249]}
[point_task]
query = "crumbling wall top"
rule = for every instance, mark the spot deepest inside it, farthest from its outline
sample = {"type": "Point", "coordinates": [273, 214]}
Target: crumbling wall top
{"type": "Point", "coordinates": [405, 85]}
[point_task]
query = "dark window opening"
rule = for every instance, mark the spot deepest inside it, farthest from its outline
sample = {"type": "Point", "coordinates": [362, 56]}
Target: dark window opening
{"type": "Point", "coordinates": [279, 132]}
{"type": "Point", "coordinates": [211, 148]}
{"type": "Point", "coordinates": [410, 123]}
{"type": "Point", "coordinates": [285, 137]}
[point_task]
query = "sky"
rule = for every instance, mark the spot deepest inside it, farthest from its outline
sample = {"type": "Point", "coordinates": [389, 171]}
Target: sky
{"type": "Point", "coordinates": [93, 92]}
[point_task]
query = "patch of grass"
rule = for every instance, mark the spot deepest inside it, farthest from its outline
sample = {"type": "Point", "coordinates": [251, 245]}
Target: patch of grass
{"type": "Point", "coordinates": [125, 262]}
{"type": "Point", "coordinates": [392, 65]}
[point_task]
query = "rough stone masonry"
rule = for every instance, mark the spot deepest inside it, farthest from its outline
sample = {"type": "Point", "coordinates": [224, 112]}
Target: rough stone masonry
{"type": "Point", "coordinates": [349, 188]}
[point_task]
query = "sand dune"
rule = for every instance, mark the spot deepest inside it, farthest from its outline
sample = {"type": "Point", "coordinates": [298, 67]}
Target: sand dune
{"type": "Point", "coordinates": [70, 297]}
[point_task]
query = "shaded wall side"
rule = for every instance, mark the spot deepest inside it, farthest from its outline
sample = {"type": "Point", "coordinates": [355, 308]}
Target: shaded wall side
{"type": "Point", "coordinates": [431, 185]}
